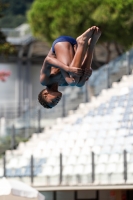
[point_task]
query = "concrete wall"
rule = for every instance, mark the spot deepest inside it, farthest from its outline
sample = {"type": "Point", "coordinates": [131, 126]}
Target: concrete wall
{"type": "Point", "coordinates": [8, 89]}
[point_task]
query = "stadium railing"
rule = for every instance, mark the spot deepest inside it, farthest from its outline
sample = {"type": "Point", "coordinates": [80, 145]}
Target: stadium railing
{"type": "Point", "coordinates": [30, 172]}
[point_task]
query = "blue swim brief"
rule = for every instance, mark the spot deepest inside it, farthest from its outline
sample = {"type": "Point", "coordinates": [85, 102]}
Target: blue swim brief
{"type": "Point", "coordinates": [63, 39]}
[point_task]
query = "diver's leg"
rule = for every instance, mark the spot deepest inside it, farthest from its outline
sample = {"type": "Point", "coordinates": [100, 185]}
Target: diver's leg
{"type": "Point", "coordinates": [82, 45]}
{"type": "Point", "coordinates": [65, 51]}
{"type": "Point", "coordinates": [66, 54]}
{"type": "Point", "coordinates": [89, 54]}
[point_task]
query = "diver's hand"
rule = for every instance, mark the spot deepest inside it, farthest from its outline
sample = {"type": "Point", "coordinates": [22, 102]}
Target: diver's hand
{"type": "Point", "coordinates": [75, 71]}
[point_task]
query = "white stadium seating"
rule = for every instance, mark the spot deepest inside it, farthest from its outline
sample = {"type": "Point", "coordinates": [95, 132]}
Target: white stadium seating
{"type": "Point", "coordinates": [103, 126]}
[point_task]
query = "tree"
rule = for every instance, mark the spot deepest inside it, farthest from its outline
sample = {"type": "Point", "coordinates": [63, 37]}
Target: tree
{"type": "Point", "coordinates": [116, 21]}
{"type": "Point", "coordinates": [49, 19]}
{"type": "Point", "coordinates": [5, 47]}
{"type": "Point", "coordinates": [14, 13]}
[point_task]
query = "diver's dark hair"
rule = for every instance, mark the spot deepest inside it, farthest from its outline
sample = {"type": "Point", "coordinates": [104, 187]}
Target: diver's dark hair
{"type": "Point", "coordinates": [42, 100]}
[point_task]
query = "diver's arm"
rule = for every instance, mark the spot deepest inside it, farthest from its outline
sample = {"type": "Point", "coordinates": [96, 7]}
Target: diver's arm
{"type": "Point", "coordinates": [50, 61]}
{"type": "Point", "coordinates": [69, 79]}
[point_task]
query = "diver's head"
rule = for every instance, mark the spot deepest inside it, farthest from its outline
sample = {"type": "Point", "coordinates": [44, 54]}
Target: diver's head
{"type": "Point", "coordinates": [50, 96]}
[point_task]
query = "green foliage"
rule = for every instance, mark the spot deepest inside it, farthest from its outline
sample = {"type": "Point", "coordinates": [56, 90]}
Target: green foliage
{"type": "Point", "coordinates": [50, 19]}
{"type": "Point", "coordinates": [5, 47]}
{"type": "Point", "coordinates": [58, 17]}
{"type": "Point", "coordinates": [14, 12]}
{"type": "Point", "coordinates": [5, 143]}
{"type": "Point", "coordinates": [11, 21]}
{"type": "Point", "coordinates": [116, 21]}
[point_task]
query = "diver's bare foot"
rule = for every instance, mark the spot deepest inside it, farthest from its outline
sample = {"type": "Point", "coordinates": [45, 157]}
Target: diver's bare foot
{"type": "Point", "coordinates": [95, 37]}
{"type": "Point", "coordinates": [86, 35]}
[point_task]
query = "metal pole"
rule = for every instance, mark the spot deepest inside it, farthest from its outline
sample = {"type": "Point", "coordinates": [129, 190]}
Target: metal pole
{"type": "Point", "coordinates": [32, 169]}
{"type": "Point", "coordinates": [39, 120]}
{"type": "Point", "coordinates": [19, 85]}
{"type": "Point", "coordinates": [93, 166]}
{"type": "Point", "coordinates": [60, 168]}
{"type": "Point", "coordinates": [125, 165]}
{"type": "Point", "coordinates": [63, 106]}
{"type": "Point", "coordinates": [54, 195]}
{"type": "Point", "coordinates": [26, 118]}
{"type": "Point", "coordinates": [75, 195]}
{"type": "Point", "coordinates": [20, 80]}
{"type": "Point", "coordinates": [29, 74]}
{"type": "Point", "coordinates": [4, 165]}
{"type": "Point", "coordinates": [108, 78]}
{"type": "Point", "coordinates": [13, 142]}
{"type": "Point", "coordinates": [128, 64]}
{"type": "Point", "coordinates": [97, 195]}
{"type": "Point", "coordinates": [86, 92]}
{"type": "Point", "coordinates": [29, 82]}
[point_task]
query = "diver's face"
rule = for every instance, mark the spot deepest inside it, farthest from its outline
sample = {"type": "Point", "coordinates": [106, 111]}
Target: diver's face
{"type": "Point", "coordinates": [52, 97]}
